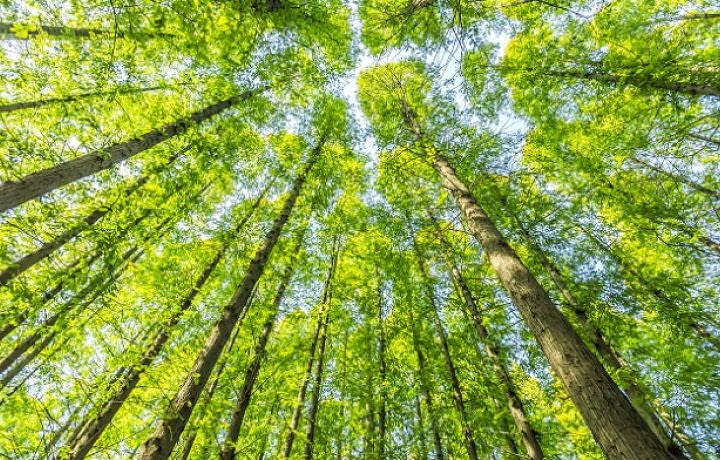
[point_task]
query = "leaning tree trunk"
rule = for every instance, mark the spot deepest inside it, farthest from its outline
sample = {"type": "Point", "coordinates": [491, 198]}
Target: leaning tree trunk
{"type": "Point", "coordinates": [74, 98]}
{"type": "Point", "coordinates": [7, 30]}
{"type": "Point", "coordinates": [457, 393]}
{"type": "Point", "coordinates": [300, 402]}
{"type": "Point", "coordinates": [95, 426]}
{"type": "Point", "coordinates": [251, 373]}
{"type": "Point", "coordinates": [317, 389]}
{"type": "Point", "coordinates": [43, 252]}
{"type": "Point", "coordinates": [13, 194]}
{"type": "Point", "coordinates": [612, 359]}
{"type": "Point", "coordinates": [168, 431]}
{"type": "Point", "coordinates": [619, 430]}
{"type": "Point", "coordinates": [425, 388]}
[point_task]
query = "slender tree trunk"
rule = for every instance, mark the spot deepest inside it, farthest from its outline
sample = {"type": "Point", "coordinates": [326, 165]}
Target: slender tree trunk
{"type": "Point", "coordinates": [13, 194]}
{"type": "Point", "coordinates": [95, 426]}
{"type": "Point", "coordinates": [253, 369]}
{"type": "Point", "coordinates": [619, 430]}
{"type": "Point", "coordinates": [317, 389]}
{"type": "Point", "coordinates": [382, 411]}
{"type": "Point", "coordinates": [43, 252]}
{"type": "Point", "coordinates": [678, 178]}
{"type": "Point", "coordinates": [688, 88]}
{"type": "Point", "coordinates": [457, 393]}
{"type": "Point", "coordinates": [168, 431]}
{"type": "Point", "coordinates": [6, 30]}
{"type": "Point", "coordinates": [74, 98]}
{"type": "Point", "coordinates": [300, 402]}
{"type": "Point", "coordinates": [421, 428]}
{"type": "Point", "coordinates": [612, 359]}
{"type": "Point", "coordinates": [425, 389]}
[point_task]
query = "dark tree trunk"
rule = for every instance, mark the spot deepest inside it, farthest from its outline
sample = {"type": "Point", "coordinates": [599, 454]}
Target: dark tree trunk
{"type": "Point", "coordinates": [253, 369]}
{"type": "Point", "coordinates": [317, 389]}
{"type": "Point", "coordinates": [382, 411]}
{"type": "Point", "coordinates": [74, 98]}
{"type": "Point", "coordinates": [6, 29]}
{"type": "Point", "coordinates": [168, 431]}
{"type": "Point", "coordinates": [13, 194]}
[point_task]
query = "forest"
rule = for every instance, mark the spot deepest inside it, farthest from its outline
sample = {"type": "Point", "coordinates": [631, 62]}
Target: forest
{"type": "Point", "coordinates": [360, 229]}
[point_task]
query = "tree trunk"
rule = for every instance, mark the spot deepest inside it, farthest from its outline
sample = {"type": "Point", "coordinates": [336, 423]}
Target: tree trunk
{"type": "Point", "coordinates": [74, 98]}
{"type": "Point", "coordinates": [424, 387]}
{"type": "Point", "coordinates": [300, 402]}
{"type": "Point", "coordinates": [382, 411]}
{"type": "Point", "coordinates": [687, 88]}
{"type": "Point", "coordinates": [253, 369]}
{"type": "Point", "coordinates": [95, 426]}
{"type": "Point", "coordinates": [704, 138]}
{"type": "Point", "coordinates": [13, 194]}
{"type": "Point", "coordinates": [6, 30]}
{"type": "Point", "coordinates": [421, 429]}
{"type": "Point", "coordinates": [612, 359]}
{"type": "Point", "coordinates": [317, 388]}
{"type": "Point", "coordinates": [168, 431]}
{"type": "Point", "coordinates": [20, 266]}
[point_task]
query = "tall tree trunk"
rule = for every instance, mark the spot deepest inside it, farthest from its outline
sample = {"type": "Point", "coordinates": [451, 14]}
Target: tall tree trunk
{"type": "Point", "coordinates": [317, 388]}
{"type": "Point", "coordinates": [457, 393]}
{"type": "Point", "coordinates": [95, 426]}
{"type": "Point", "coordinates": [612, 359]}
{"type": "Point", "coordinates": [300, 402]}
{"type": "Point", "coordinates": [619, 430]}
{"type": "Point", "coordinates": [421, 428]}
{"type": "Point", "coordinates": [7, 30]}
{"type": "Point", "coordinates": [13, 194]}
{"type": "Point", "coordinates": [688, 88]}
{"type": "Point", "coordinates": [382, 370]}
{"type": "Point", "coordinates": [425, 389]}
{"type": "Point", "coordinates": [517, 409]}
{"type": "Point", "coordinates": [74, 98]}
{"type": "Point", "coordinates": [25, 263]}
{"type": "Point", "coordinates": [253, 369]}
{"type": "Point", "coordinates": [168, 431]}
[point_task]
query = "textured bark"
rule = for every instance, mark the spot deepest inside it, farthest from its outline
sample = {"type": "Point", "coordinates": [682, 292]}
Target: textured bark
{"type": "Point", "coordinates": [13, 194]}
{"type": "Point", "coordinates": [425, 389]}
{"type": "Point", "coordinates": [168, 431]}
{"type": "Point", "coordinates": [612, 359]}
{"type": "Point", "coordinates": [457, 393]}
{"type": "Point", "coordinates": [25, 263]}
{"type": "Point", "coordinates": [74, 98]}
{"type": "Point", "coordinates": [618, 429]}
{"type": "Point", "coordinates": [253, 369]}
{"type": "Point", "coordinates": [300, 402]}
{"type": "Point", "coordinates": [688, 88]}
{"type": "Point", "coordinates": [95, 426]}
{"type": "Point", "coordinates": [6, 30]}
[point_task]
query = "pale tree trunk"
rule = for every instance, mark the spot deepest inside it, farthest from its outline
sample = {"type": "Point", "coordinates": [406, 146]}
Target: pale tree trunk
{"type": "Point", "coordinates": [517, 409]}
{"type": "Point", "coordinates": [251, 373]}
{"type": "Point", "coordinates": [302, 392]}
{"type": "Point", "coordinates": [168, 431]}
{"type": "Point", "coordinates": [13, 194]}
{"type": "Point", "coordinates": [25, 263]}
{"type": "Point", "coordinates": [619, 430]}
{"type": "Point", "coordinates": [612, 359]}
{"type": "Point", "coordinates": [6, 30]}
{"type": "Point", "coordinates": [425, 389]}
{"type": "Point", "coordinates": [74, 98]}
{"type": "Point", "coordinates": [95, 426]}
{"type": "Point", "coordinates": [457, 393]}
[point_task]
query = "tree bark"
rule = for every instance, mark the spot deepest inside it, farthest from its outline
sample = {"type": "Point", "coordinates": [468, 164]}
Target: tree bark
{"type": "Point", "coordinates": [12, 107]}
{"type": "Point", "coordinates": [168, 431]}
{"type": "Point", "coordinates": [95, 426]}
{"type": "Point", "coordinates": [251, 373]}
{"type": "Point", "coordinates": [300, 402]}
{"type": "Point", "coordinates": [6, 30]}
{"type": "Point", "coordinates": [13, 194]}
{"type": "Point", "coordinates": [25, 263]}
{"type": "Point", "coordinates": [382, 364]}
